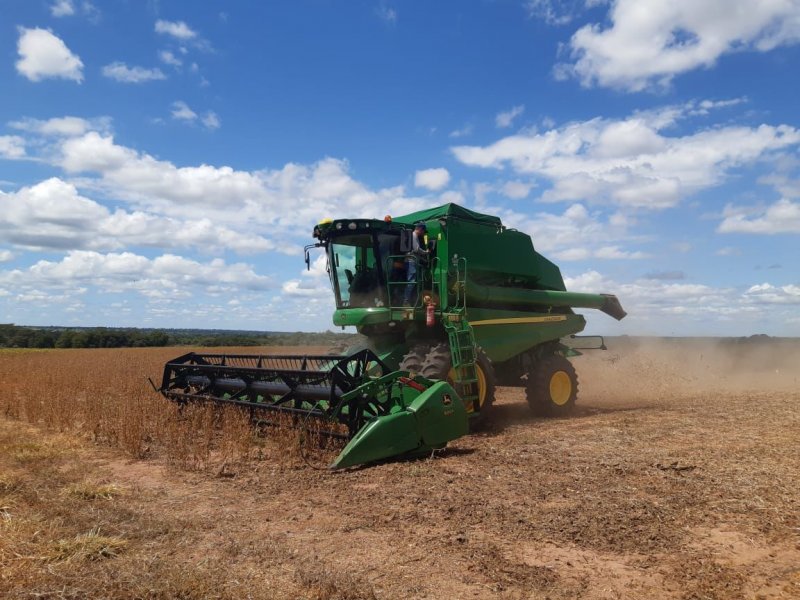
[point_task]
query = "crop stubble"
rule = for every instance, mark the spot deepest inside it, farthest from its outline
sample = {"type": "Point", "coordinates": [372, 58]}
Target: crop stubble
{"type": "Point", "coordinates": [677, 478]}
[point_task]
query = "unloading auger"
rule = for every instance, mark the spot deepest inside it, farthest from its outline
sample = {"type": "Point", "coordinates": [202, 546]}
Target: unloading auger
{"type": "Point", "coordinates": [453, 303]}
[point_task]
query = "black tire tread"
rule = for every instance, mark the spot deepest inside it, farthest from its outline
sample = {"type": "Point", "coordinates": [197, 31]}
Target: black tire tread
{"type": "Point", "coordinates": [537, 391]}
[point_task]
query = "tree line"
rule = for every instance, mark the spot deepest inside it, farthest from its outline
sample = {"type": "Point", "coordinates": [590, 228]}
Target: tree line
{"type": "Point", "coordinates": [20, 336]}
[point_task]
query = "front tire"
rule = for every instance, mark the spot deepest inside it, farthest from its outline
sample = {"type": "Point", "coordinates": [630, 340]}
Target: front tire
{"type": "Point", "coordinates": [552, 387]}
{"type": "Point", "coordinates": [438, 365]}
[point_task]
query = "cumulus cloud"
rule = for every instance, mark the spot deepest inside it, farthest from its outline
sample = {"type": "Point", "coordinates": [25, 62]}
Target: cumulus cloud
{"type": "Point", "coordinates": [44, 55]}
{"type": "Point", "coordinates": [642, 47]}
{"type": "Point", "coordinates": [52, 215]}
{"type": "Point", "coordinates": [6, 256]}
{"type": "Point", "coordinates": [121, 72]}
{"type": "Point", "coordinates": [506, 118]}
{"type": "Point", "coordinates": [633, 161]}
{"type": "Point", "coordinates": [780, 217]}
{"type": "Point", "coordinates": [689, 308]}
{"type": "Point", "coordinates": [12, 146]}
{"type": "Point", "coordinates": [127, 271]}
{"type": "Point", "coordinates": [62, 126]}
{"type": "Point", "coordinates": [432, 179]}
{"type": "Point", "coordinates": [176, 29]}
{"type": "Point", "coordinates": [516, 190]}
{"type": "Point", "coordinates": [224, 194]}
{"type": "Point", "coordinates": [771, 294]}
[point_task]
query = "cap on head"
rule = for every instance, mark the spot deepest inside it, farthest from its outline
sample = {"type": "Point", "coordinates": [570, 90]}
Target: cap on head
{"type": "Point", "coordinates": [420, 225]}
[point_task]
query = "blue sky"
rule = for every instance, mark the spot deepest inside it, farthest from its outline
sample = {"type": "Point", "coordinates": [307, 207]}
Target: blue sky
{"type": "Point", "coordinates": [162, 163]}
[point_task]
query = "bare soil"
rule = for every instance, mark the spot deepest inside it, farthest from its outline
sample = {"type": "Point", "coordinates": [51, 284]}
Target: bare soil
{"type": "Point", "coordinates": [678, 477]}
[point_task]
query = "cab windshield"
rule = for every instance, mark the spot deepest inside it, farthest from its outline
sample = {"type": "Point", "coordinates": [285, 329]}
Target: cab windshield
{"type": "Point", "coordinates": [358, 266]}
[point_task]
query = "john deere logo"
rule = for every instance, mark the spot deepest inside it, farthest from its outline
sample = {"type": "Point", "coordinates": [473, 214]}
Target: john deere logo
{"type": "Point", "coordinates": [447, 400]}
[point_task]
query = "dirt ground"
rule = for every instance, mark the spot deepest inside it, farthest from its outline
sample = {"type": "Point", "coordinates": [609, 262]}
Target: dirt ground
{"type": "Point", "coordinates": [678, 477]}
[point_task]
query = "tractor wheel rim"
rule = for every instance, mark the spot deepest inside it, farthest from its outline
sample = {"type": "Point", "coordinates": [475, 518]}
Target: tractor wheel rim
{"type": "Point", "coordinates": [481, 376]}
{"type": "Point", "coordinates": [560, 388]}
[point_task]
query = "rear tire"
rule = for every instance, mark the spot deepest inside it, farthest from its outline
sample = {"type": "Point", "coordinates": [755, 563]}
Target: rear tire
{"type": "Point", "coordinates": [552, 387]}
{"type": "Point", "coordinates": [438, 365]}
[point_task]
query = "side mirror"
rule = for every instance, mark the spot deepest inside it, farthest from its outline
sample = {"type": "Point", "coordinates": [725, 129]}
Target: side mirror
{"type": "Point", "coordinates": [308, 255]}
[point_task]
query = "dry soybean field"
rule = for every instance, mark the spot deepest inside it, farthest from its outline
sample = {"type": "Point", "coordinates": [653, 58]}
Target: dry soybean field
{"type": "Point", "coordinates": [677, 477]}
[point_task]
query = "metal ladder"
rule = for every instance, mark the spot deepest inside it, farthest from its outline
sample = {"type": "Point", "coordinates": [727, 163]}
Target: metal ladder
{"type": "Point", "coordinates": [462, 340]}
{"type": "Point", "coordinates": [463, 357]}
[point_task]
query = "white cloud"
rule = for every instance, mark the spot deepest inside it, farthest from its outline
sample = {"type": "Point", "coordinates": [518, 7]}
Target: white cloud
{"type": "Point", "coordinates": [451, 196]}
{"type": "Point", "coordinates": [6, 256]}
{"type": "Point", "coordinates": [119, 71]}
{"type": "Point", "coordinates": [182, 112]}
{"type": "Point", "coordinates": [630, 162]}
{"type": "Point", "coordinates": [62, 126]}
{"type": "Point", "coordinates": [62, 8]}
{"type": "Point", "coordinates": [12, 146]}
{"type": "Point", "coordinates": [176, 29]}
{"type": "Point", "coordinates": [44, 55]}
{"type": "Point", "coordinates": [53, 215]}
{"type": "Point", "coordinates": [318, 267]}
{"type": "Point", "coordinates": [694, 308]}
{"type": "Point", "coordinates": [616, 253]}
{"type": "Point", "coordinates": [67, 8]}
{"type": "Point", "coordinates": [516, 190]}
{"type": "Point", "coordinates": [168, 58]}
{"type": "Point", "coordinates": [167, 274]}
{"type": "Point", "coordinates": [769, 294]}
{"type": "Point", "coordinates": [210, 120]}
{"type": "Point", "coordinates": [506, 118]}
{"type": "Point", "coordinates": [781, 217]}
{"type": "Point", "coordinates": [649, 45]}
{"type": "Point", "coordinates": [432, 179]}
{"type": "Point", "coordinates": [305, 288]}
{"type": "Point", "coordinates": [226, 195]}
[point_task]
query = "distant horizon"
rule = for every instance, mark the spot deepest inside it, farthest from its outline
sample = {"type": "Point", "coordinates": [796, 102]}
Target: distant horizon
{"type": "Point", "coordinates": [338, 331]}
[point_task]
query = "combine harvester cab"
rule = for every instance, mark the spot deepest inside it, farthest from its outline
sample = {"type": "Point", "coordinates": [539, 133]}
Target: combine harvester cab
{"type": "Point", "coordinates": [453, 303]}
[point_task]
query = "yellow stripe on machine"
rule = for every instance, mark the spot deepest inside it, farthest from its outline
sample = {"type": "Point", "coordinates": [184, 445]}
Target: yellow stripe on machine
{"type": "Point", "coordinates": [516, 320]}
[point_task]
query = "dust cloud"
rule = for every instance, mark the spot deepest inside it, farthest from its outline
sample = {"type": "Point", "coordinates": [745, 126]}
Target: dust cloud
{"type": "Point", "coordinates": [654, 369]}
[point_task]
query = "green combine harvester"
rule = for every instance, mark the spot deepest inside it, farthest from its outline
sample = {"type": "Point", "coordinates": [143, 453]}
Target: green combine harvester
{"type": "Point", "coordinates": [453, 304]}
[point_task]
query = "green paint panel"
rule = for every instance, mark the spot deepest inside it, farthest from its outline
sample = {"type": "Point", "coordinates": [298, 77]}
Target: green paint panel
{"type": "Point", "coordinates": [440, 413]}
{"type": "Point", "coordinates": [435, 417]}
{"type": "Point", "coordinates": [504, 341]}
{"type": "Point", "coordinates": [381, 438]}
